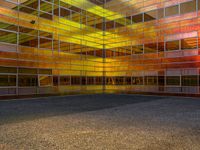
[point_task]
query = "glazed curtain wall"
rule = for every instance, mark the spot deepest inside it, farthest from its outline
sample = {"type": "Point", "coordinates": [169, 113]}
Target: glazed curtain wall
{"type": "Point", "coordinates": [159, 46]}
{"type": "Point", "coordinates": [50, 46]}
{"type": "Point", "coordinates": [95, 46]}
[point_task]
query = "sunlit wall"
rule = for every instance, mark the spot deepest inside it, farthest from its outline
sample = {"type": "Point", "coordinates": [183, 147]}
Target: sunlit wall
{"type": "Point", "coordinates": [96, 46]}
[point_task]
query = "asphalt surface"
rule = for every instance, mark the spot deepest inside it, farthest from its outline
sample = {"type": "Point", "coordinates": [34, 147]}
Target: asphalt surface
{"type": "Point", "coordinates": [102, 122]}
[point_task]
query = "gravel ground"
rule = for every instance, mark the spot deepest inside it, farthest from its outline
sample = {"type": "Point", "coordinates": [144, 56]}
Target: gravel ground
{"type": "Point", "coordinates": [100, 122]}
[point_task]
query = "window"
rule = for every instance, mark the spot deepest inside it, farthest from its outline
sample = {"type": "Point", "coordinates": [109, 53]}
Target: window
{"type": "Point", "coordinates": [7, 80]}
{"type": "Point", "coordinates": [8, 26]}
{"type": "Point", "coordinates": [127, 80]}
{"type": "Point", "coordinates": [150, 80]}
{"type": "Point", "coordinates": [65, 13]}
{"type": "Point", "coordinates": [172, 45]}
{"type": "Point", "coordinates": [198, 4]}
{"type": "Point", "coordinates": [55, 80]}
{"type": "Point", "coordinates": [160, 13]}
{"type": "Point", "coordinates": [137, 18]}
{"type": "Point", "coordinates": [191, 80]}
{"type": "Point", "coordinates": [64, 80]}
{"type": "Point", "coordinates": [8, 70]}
{"type": "Point", "coordinates": [83, 80]}
{"type": "Point", "coordinates": [90, 80]}
{"type": "Point", "coordinates": [45, 43]}
{"type": "Point", "coordinates": [27, 80]}
{"type": "Point", "coordinates": [45, 34]}
{"type": "Point", "coordinates": [119, 80]}
{"type": "Point", "coordinates": [99, 80]}
{"type": "Point", "coordinates": [45, 7]}
{"type": "Point", "coordinates": [45, 80]}
{"type": "Point", "coordinates": [173, 80]}
{"type": "Point", "coordinates": [150, 48]}
{"type": "Point", "coordinates": [138, 49]}
{"type": "Point", "coordinates": [27, 71]}
{"type": "Point", "coordinates": [27, 10]}
{"type": "Point", "coordinates": [75, 80]}
{"type": "Point", "coordinates": [110, 25]}
{"type": "Point", "coordinates": [161, 46]}
{"type": "Point", "coordinates": [46, 16]}
{"type": "Point", "coordinates": [28, 31]}
{"type": "Point", "coordinates": [189, 43]}
{"type": "Point", "coordinates": [28, 40]}
{"type": "Point", "coordinates": [188, 7]}
{"type": "Point", "coordinates": [137, 80]}
{"type": "Point", "coordinates": [110, 80]}
{"type": "Point", "coordinates": [76, 17]}
{"type": "Point", "coordinates": [8, 4]}
{"type": "Point", "coordinates": [151, 15]}
{"type": "Point", "coordinates": [170, 11]}
{"type": "Point", "coordinates": [8, 37]}
{"type": "Point", "coordinates": [161, 80]}
{"type": "Point", "coordinates": [65, 47]}
{"type": "Point", "coordinates": [45, 71]}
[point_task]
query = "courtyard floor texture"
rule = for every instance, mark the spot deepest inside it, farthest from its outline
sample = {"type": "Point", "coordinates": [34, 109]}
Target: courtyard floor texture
{"type": "Point", "coordinates": [100, 122]}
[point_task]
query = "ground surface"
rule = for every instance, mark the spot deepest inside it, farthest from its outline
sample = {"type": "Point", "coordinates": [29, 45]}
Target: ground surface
{"type": "Point", "coordinates": [100, 122]}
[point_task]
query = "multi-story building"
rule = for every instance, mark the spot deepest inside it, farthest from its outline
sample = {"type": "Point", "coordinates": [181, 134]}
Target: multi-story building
{"type": "Point", "coordinates": [95, 46]}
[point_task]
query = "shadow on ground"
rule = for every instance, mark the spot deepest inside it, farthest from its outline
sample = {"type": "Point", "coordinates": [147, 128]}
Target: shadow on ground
{"type": "Point", "coordinates": [28, 109]}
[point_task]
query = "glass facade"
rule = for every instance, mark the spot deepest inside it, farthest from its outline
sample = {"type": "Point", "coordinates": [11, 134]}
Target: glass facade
{"type": "Point", "coordinates": [96, 46]}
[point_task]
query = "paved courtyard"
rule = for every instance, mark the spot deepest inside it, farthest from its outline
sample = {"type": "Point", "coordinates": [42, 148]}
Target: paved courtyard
{"type": "Point", "coordinates": [100, 122]}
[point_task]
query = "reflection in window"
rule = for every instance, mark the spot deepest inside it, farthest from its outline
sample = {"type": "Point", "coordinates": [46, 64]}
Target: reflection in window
{"type": "Point", "coordinates": [8, 37]}
{"type": "Point", "coordinates": [137, 80]}
{"type": "Point", "coordinates": [110, 81]}
{"type": "Point", "coordinates": [161, 80]}
{"type": "Point", "coordinates": [8, 70]}
{"type": "Point", "coordinates": [150, 80]}
{"type": "Point", "coordinates": [189, 43]}
{"type": "Point", "coordinates": [191, 80]}
{"type": "Point", "coordinates": [45, 43]}
{"type": "Point", "coordinates": [90, 80]}
{"type": "Point", "coordinates": [98, 80]}
{"type": "Point", "coordinates": [170, 11]}
{"type": "Point", "coordinates": [188, 7]}
{"type": "Point", "coordinates": [45, 34]}
{"type": "Point", "coordinates": [65, 47]}
{"type": "Point", "coordinates": [28, 10]}
{"type": "Point", "coordinates": [172, 45]}
{"type": "Point", "coordinates": [8, 26]}
{"type": "Point", "coordinates": [45, 71]}
{"type": "Point", "coordinates": [28, 31]}
{"type": "Point", "coordinates": [75, 80]}
{"type": "Point", "coordinates": [151, 15]}
{"type": "Point", "coordinates": [127, 80]}
{"type": "Point", "coordinates": [45, 80]}
{"type": "Point", "coordinates": [161, 46]}
{"type": "Point", "coordinates": [27, 71]}
{"type": "Point", "coordinates": [46, 16]}
{"type": "Point", "coordinates": [55, 80]}
{"type": "Point", "coordinates": [65, 13]}
{"type": "Point", "coordinates": [137, 18]}
{"type": "Point", "coordinates": [45, 7]}
{"type": "Point", "coordinates": [160, 13]}
{"type": "Point", "coordinates": [27, 80]}
{"type": "Point", "coordinates": [173, 80]}
{"type": "Point", "coordinates": [7, 80]}
{"type": "Point", "coordinates": [150, 48]}
{"type": "Point", "coordinates": [65, 80]}
{"type": "Point", "coordinates": [28, 40]}
{"type": "Point", "coordinates": [137, 49]}
{"type": "Point", "coordinates": [119, 80]}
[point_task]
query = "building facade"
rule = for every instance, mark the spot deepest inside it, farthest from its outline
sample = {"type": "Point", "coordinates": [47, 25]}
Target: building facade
{"type": "Point", "coordinates": [99, 46]}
